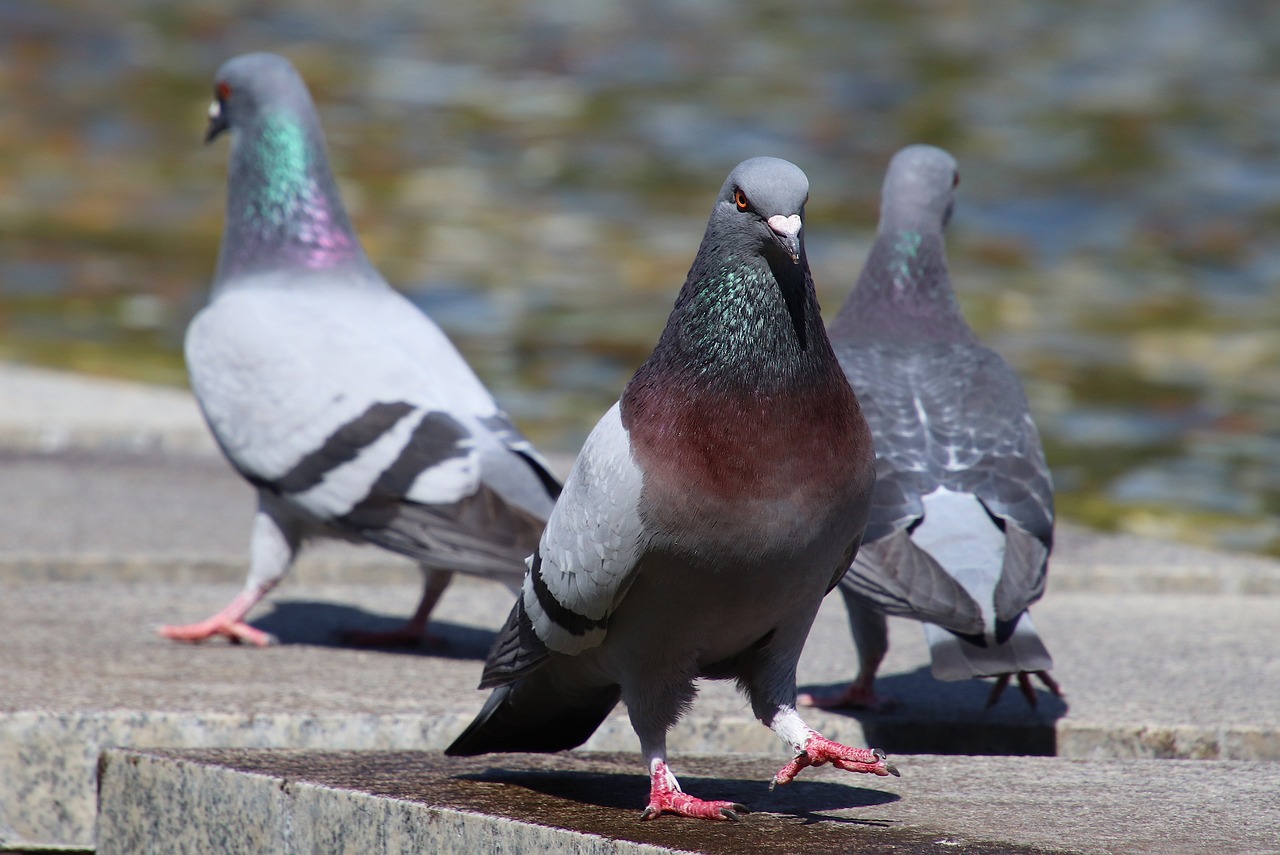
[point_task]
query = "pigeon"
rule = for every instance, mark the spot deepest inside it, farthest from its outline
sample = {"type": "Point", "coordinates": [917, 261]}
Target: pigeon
{"type": "Point", "coordinates": [345, 407]}
{"type": "Point", "coordinates": [709, 512]}
{"type": "Point", "coordinates": [961, 523]}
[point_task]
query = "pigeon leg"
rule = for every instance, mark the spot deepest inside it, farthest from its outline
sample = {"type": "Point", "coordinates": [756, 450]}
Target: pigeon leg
{"type": "Point", "coordinates": [413, 632]}
{"type": "Point", "coordinates": [814, 749]}
{"type": "Point", "coordinates": [665, 796]}
{"type": "Point", "coordinates": [272, 548]}
{"type": "Point", "coordinates": [871, 638]}
{"type": "Point", "coordinates": [1024, 685]}
{"type": "Point", "coordinates": [229, 622]}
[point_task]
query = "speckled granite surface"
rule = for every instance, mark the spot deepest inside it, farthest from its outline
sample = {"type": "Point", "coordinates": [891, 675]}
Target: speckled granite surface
{"type": "Point", "coordinates": [268, 802]}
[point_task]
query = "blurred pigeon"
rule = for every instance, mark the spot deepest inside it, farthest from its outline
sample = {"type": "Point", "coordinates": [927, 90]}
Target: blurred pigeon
{"type": "Point", "coordinates": [709, 512]}
{"type": "Point", "coordinates": [962, 519]}
{"type": "Point", "coordinates": [346, 407]}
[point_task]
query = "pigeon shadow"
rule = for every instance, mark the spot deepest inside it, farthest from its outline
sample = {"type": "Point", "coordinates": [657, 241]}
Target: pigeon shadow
{"type": "Point", "coordinates": [936, 717]}
{"type": "Point", "coordinates": [322, 624]}
{"type": "Point", "coordinates": [802, 799]}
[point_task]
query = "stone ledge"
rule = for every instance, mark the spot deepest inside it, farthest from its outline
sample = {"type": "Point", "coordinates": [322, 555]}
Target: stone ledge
{"type": "Point", "coordinates": [391, 802]}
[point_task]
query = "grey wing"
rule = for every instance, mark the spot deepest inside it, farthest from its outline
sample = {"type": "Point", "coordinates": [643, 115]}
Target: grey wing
{"type": "Point", "coordinates": [951, 416]}
{"type": "Point", "coordinates": [584, 563]}
{"type": "Point", "coordinates": [364, 436]}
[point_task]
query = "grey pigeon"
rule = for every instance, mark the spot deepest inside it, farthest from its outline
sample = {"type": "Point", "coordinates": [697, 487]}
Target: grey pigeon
{"type": "Point", "coordinates": [961, 523]}
{"type": "Point", "coordinates": [709, 512]}
{"type": "Point", "coordinates": [345, 406]}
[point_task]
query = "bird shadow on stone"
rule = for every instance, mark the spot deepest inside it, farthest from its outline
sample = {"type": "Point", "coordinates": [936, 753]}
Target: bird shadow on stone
{"type": "Point", "coordinates": [802, 800]}
{"type": "Point", "coordinates": [322, 624]}
{"type": "Point", "coordinates": [937, 717]}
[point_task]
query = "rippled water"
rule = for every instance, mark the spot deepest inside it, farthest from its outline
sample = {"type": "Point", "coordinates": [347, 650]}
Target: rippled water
{"type": "Point", "coordinates": [537, 176]}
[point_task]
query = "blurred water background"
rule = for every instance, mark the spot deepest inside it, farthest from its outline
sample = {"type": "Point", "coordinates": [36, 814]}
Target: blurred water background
{"type": "Point", "coordinates": [537, 175]}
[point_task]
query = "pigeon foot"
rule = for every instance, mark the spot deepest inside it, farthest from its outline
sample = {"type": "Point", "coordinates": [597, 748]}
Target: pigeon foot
{"type": "Point", "coordinates": [852, 696]}
{"type": "Point", "coordinates": [228, 623]}
{"type": "Point", "coordinates": [819, 750]}
{"type": "Point", "coordinates": [1024, 685]}
{"type": "Point", "coordinates": [407, 635]}
{"type": "Point", "coordinates": [665, 796]}
{"type": "Point", "coordinates": [238, 632]}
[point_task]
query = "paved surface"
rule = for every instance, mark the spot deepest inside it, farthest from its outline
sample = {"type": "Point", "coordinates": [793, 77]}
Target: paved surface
{"type": "Point", "coordinates": [253, 802]}
{"type": "Point", "coordinates": [1163, 651]}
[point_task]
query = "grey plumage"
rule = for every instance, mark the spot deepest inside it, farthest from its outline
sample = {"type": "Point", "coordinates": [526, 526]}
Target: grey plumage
{"type": "Point", "coordinates": [705, 518]}
{"type": "Point", "coordinates": [961, 524]}
{"type": "Point", "coordinates": [346, 407]}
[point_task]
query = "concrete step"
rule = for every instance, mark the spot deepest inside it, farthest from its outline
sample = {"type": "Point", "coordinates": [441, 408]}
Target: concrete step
{"type": "Point", "coordinates": [259, 802]}
{"type": "Point", "coordinates": [1145, 675]}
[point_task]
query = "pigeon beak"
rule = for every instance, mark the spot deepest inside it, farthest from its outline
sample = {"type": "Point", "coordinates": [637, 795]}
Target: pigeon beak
{"type": "Point", "coordinates": [787, 231]}
{"type": "Point", "coordinates": [217, 122]}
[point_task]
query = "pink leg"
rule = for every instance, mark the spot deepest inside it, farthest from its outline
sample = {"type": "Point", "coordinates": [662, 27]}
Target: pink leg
{"type": "Point", "coordinates": [1024, 685]}
{"type": "Point", "coordinates": [413, 632]}
{"type": "Point", "coordinates": [860, 694]}
{"type": "Point", "coordinates": [229, 622]}
{"type": "Point", "coordinates": [818, 750]}
{"type": "Point", "coordinates": [665, 796]}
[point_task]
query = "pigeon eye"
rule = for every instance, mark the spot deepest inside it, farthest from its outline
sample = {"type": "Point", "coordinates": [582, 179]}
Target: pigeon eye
{"type": "Point", "coordinates": [222, 90]}
{"type": "Point", "coordinates": [740, 199]}
{"type": "Point", "coordinates": [955, 180]}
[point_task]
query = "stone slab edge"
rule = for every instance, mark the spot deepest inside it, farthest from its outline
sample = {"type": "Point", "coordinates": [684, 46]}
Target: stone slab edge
{"type": "Point", "coordinates": [48, 761]}
{"type": "Point", "coordinates": [148, 805]}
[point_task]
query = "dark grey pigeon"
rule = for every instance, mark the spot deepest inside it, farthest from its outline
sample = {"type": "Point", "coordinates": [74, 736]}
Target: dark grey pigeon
{"type": "Point", "coordinates": [345, 406]}
{"type": "Point", "coordinates": [709, 512]}
{"type": "Point", "coordinates": [962, 520]}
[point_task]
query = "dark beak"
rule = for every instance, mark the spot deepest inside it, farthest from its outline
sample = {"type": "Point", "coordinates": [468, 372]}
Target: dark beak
{"type": "Point", "coordinates": [217, 122]}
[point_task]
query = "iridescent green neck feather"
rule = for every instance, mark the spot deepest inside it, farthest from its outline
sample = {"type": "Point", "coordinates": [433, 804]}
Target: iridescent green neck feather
{"type": "Point", "coordinates": [283, 207]}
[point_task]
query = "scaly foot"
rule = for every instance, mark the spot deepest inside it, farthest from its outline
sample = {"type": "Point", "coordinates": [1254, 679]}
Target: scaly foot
{"type": "Point", "coordinates": [228, 623]}
{"type": "Point", "coordinates": [1024, 685]}
{"type": "Point", "coordinates": [852, 696]}
{"type": "Point", "coordinates": [236, 631]}
{"type": "Point", "coordinates": [665, 796]}
{"type": "Point", "coordinates": [408, 635]}
{"type": "Point", "coordinates": [819, 750]}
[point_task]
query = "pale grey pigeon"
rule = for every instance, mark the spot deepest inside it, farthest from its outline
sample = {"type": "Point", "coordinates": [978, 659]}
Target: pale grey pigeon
{"type": "Point", "coordinates": [962, 519]}
{"type": "Point", "coordinates": [709, 512]}
{"type": "Point", "coordinates": [332, 394]}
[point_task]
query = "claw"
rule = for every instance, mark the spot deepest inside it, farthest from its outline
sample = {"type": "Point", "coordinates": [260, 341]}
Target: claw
{"type": "Point", "coordinates": [1049, 683]}
{"type": "Point", "coordinates": [997, 690]}
{"type": "Point", "coordinates": [665, 796]}
{"type": "Point", "coordinates": [1028, 690]}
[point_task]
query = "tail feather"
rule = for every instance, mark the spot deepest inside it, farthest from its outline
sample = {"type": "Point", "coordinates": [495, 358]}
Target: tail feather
{"type": "Point", "coordinates": [956, 658]}
{"type": "Point", "coordinates": [534, 715]}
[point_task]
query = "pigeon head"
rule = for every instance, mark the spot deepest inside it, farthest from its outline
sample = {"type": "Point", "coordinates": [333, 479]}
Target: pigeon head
{"type": "Point", "coordinates": [904, 291]}
{"type": "Point", "coordinates": [250, 85]}
{"type": "Point", "coordinates": [919, 190]}
{"type": "Point", "coordinates": [747, 316]}
{"type": "Point", "coordinates": [283, 208]}
{"type": "Point", "coordinates": [763, 200]}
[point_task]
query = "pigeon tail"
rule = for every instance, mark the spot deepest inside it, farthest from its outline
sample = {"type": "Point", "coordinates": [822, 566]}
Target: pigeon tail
{"type": "Point", "coordinates": [955, 658]}
{"type": "Point", "coordinates": [535, 716]}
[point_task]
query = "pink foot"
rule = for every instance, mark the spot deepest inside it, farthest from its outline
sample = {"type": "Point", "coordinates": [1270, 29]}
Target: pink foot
{"type": "Point", "coordinates": [236, 631]}
{"type": "Point", "coordinates": [229, 623]}
{"type": "Point", "coordinates": [818, 750]}
{"type": "Point", "coordinates": [1024, 686]}
{"type": "Point", "coordinates": [407, 635]}
{"type": "Point", "coordinates": [853, 696]}
{"type": "Point", "coordinates": [665, 796]}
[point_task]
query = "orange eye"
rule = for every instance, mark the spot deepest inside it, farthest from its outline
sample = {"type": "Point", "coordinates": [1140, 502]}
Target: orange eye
{"type": "Point", "coordinates": [955, 181]}
{"type": "Point", "coordinates": [223, 90]}
{"type": "Point", "coordinates": [740, 199]}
